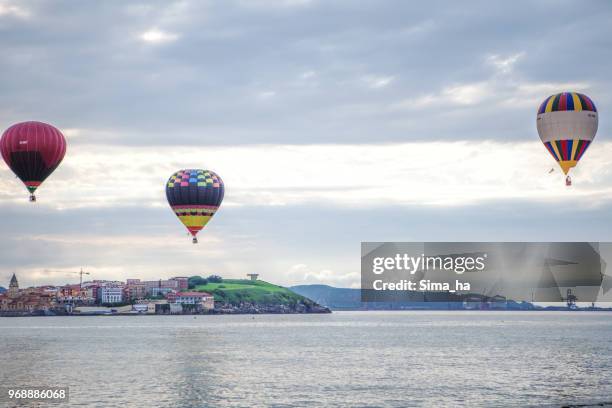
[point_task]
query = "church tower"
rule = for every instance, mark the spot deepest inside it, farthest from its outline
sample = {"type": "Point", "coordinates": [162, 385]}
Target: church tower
{"type": "Point", "coordinates": [13, 290]}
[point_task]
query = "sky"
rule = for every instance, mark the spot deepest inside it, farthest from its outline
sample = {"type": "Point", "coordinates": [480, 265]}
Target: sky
{"type": "Point", "coordinates": [331, 123]}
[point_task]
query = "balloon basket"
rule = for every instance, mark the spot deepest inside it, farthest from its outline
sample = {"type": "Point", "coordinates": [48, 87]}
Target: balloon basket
{"type": "Point", "coordinates": [32, 198]}
{"type": "Point", "coordinates": [194, 240]}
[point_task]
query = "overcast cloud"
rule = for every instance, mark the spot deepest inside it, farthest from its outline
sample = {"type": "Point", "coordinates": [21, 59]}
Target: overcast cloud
{"type": "Point", "coordinates": [331, 122]}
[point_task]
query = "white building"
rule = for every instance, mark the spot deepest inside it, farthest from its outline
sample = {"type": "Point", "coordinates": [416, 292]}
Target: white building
{"type": "Point", "coordinates": [203, 299]}
{"type": "Point", "coordinates": [111, 294]}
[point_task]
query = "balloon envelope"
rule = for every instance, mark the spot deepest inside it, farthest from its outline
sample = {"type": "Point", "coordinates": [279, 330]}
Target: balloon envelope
{"type": "Point", "coordinates": [33, 150]}
{"type": "Point", "coordinates": [195, 196]}
{"type": "Point", "coordinates": [567, 123]}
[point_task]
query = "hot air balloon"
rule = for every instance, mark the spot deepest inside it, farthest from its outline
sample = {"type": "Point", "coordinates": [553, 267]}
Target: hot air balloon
{"type": "Point", "coordinates": [567, 123]}
{"type": "Point", "coordinates": [195, 196]}
{"type": "Point", "coordinates": [33, 150]}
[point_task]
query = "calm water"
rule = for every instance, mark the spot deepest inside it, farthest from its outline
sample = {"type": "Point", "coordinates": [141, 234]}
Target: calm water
{"type": "Point", "coordinates": [343, 359]}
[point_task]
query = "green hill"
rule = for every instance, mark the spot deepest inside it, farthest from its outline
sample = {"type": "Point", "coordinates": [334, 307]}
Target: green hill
{"type": "Point", "coordinates": [237, 291]}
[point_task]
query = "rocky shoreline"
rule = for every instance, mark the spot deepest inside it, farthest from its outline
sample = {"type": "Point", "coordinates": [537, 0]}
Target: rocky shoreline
{"type": "Point", "coordinates": [222, 309]}
{"type": "Point", "coordinates": [300, 308]}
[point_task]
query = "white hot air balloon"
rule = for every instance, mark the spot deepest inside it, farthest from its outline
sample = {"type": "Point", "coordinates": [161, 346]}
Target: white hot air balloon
{"type": "Point", "coordinates": [567, 123]}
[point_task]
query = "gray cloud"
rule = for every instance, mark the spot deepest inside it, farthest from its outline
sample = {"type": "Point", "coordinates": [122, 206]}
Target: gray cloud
{"type": "Point", "coordinates": [234, 72]}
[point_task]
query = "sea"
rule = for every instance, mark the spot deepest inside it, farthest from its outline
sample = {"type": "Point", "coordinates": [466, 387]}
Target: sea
{"type": "Point", "coordinates": [343, 359]}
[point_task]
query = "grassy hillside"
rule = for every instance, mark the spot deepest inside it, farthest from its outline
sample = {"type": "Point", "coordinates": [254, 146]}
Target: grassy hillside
{"type": "Point", "coordinates": [236, 291]}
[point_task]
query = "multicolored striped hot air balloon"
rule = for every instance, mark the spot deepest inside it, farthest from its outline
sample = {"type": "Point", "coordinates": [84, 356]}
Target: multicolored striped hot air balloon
{"type": "Point", "coordinates": [195, 196]}
{"type": "Point", "coordinates": [567, 123]}
{"type": "Point", "coordinates": [33, 150]}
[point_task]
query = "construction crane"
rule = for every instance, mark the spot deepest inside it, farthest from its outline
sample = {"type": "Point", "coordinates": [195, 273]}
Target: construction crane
{"type": "Point", "coordinates": [80, 273]}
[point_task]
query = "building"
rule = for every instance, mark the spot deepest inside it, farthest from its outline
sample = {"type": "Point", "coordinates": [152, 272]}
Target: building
{"type": "Point", "coordinates": [134, 289]}
{"type": "Point", "coordinates": [171, 297]}
{"type": "Point", "coordinates": [91, 292]}
{"type": "Point", "coordinates": [140, 307]}
{"type": "Point", "coordinates": [73, 293]}
{"type": "Point", "coordinates": [176, 308]}
{"type": "Point", "coordinates": [152, 307]}
{"type": "Point", "coordinates": [200, 299]}
{"type": "Point", "coordinates": [160, 291]}
{"type": "Point", "coordinates": [253, 276]}
{"type": "Point", "coordinates": [30, 303]}
{"type": "Point", "coordinates": [49, 290]}
{"type": "Point", "coordinates": [13, 290]}
{"type": "Point", "coordinates": [110, 294]}
{"type": "Point", "coordinates": [182, 282]}
{"type": "Point", "coordinates": [161, 286]}
{"type": "Point", "coordinates": [29, 300]}
{"type": "Point", "coordinates": [148, 307]}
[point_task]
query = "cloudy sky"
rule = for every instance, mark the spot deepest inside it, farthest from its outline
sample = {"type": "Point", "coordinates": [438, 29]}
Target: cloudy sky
{"type": "Point", "coordinates": [331, 122]}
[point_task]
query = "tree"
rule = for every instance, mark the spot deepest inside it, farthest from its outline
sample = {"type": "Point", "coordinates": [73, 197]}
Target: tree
{"type": "Point", "coordinates": [215, 279]}
{"type": "Point", "coordinates": [196, 281]}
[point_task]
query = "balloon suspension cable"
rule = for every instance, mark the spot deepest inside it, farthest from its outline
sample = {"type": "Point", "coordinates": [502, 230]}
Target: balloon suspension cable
{"type": "Point", "coordinates": [32, 198]}
{"type": "Point", "coordinates": [194, 240]}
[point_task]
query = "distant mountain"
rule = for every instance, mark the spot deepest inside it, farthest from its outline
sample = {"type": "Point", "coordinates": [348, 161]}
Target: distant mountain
{"type": "Point", "coordinates": [350, 299]}
{"type": "Point", "coordinates": [334, 298]}
{"type": "Point", "coordinates": [2, 290]}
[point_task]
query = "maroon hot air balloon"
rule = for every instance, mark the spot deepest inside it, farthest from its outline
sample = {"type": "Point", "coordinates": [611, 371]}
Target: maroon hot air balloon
{"type": "Point", "coordinates": [32, 150]}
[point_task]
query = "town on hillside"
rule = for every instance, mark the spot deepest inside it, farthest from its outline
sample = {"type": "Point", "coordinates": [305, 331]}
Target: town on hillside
{"type": "Point", "coordinates": [177, 295]}
{"type": "Point", "coordinates": [101, 296]}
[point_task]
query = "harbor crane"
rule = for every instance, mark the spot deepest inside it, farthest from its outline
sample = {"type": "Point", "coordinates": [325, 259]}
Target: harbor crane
{"type": "Point", "coordinates": [571, 300]}
{"type": "Point", "coordinates": [80, 273]}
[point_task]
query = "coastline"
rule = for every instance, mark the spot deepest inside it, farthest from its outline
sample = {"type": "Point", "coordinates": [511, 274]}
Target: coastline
{"type": "Point", "coordinates": [325, 311]}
